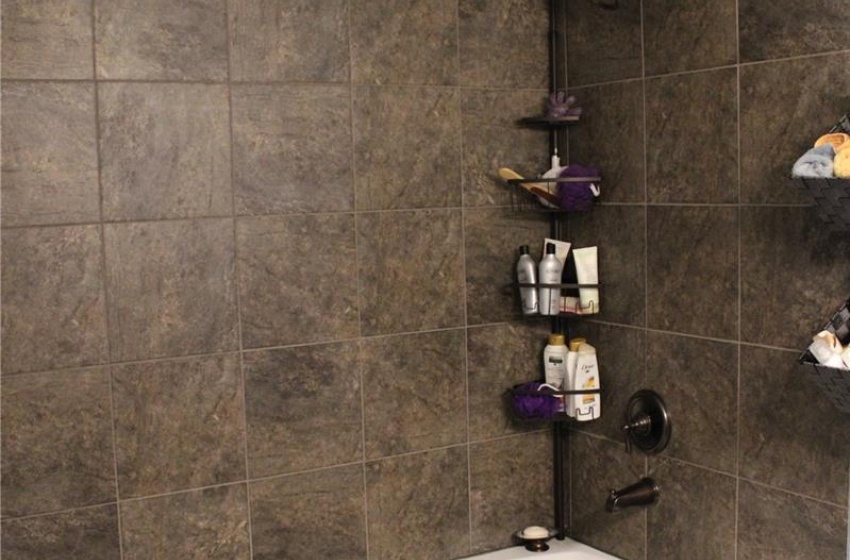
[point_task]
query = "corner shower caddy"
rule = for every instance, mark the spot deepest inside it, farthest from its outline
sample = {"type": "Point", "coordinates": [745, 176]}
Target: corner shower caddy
{"type": "Point", "coordinates": [524, 201]}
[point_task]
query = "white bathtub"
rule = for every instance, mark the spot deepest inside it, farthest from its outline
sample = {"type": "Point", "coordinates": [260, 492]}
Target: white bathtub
{"type": "Point", "coordinates": [558, 550]}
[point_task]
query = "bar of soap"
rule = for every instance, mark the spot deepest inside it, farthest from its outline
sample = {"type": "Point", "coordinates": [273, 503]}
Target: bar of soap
{"type": "Point", "coordinates": [535, 532]}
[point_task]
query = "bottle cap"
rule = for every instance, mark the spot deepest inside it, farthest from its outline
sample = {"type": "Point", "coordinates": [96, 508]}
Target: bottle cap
{"type": "Point", "coordinates": [575, 343]}
{"type": "Point", "coordinates": [550, 248]}
{"type": "Point", "coordinates": [557, 340]}
{"type": "Point", "coordinates": [523, 249]}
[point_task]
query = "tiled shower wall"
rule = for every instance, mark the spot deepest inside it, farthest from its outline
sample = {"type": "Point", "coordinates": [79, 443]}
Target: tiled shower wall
{"type": "Point", "coordinates": [254, 254]}
{"type": "Point", "coordinates": [716, 272]}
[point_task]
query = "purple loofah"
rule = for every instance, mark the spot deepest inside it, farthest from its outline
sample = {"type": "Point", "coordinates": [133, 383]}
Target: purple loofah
{"type": "Point", "coordinates": [560, 105]}
{"type": "Point", "coordinates": [534, 407]}
{"type": "Point", "coordinates": [577, 197]}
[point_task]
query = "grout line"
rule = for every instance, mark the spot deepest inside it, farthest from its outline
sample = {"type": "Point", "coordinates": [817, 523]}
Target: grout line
{"type": "Point", "coordinates": [9, 518]}
{"type": "Point", "coordinates": [792, 58]}
{"type": "Point", "coordinates": [740, 281]}
{"type": "Point", "coordinates": [187, 357]}
{"type": "Point", "coordinates": [458, 91]}
{"type": "Point", "coordinates": [708, 69]}
{"type": "Point", "coordinates": [646, 306]}
{"type": "Point", "coordinates": [387, 211]}
{"type": "Point", "coordinates": [357, 279]}
{"type": "Point", "coordinates": [792, 493]}
{"type": "Point", "coordinates": [847, 517]}
{"type": "Point", "coordinates": [183, 491]}
{"type": "Point", "coordinates": [463, 203]}
{"type": "Point", "coordinates": [104, 279]}
{"type": "Point", "coordinates": [236, 276]}
{"type": "Point", "coordinates": [468, 432]}
{"type": "Point", "coordinates": [283, 83]}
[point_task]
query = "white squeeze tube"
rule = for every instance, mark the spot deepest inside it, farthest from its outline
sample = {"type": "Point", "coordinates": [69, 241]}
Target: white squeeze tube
{"type": "Point", "coordinates": [587, 272]}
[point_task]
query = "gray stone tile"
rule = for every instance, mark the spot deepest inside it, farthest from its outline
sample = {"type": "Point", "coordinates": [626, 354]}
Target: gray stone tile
{"type": "Point", "coordinates": [303, 407]}
{"type": "Point", "coordinates": [289, 40]}
{"type": "Point", "coordinates": [288, 513]}
{"type": "Point", "coordinates": [418, 505]}
{"type": "Point", "coordinates": [701, 107]}
{"type": "Point", "coordinates": [161, 40]}
{"type": "Point", "coordinates": [502, 43]}
{"type": "Point", "coordinates": [698, 380]}
{"type": "Point", "coordinates": [786, 251]}
{"type": "Point", "coordinates": [790, 437]}
{"type": "Point", "coordinates": [292, 149]}
{"type": "Point", "coordinates": [621, 353]}
{"type": "Point", "coordinates": [404, 42]}
{"type": "Point", "coordinates": [202, 525]}
{"type": "Point", "coordinates": [298, 279]}
{"type": "Point", "coordinates": [603, 45]}
{"type": "Point", "coordinates": [47, 40]}
{"type": "Point", "coordinates": [410, 270]}
{"type": "Point", "coordinates": [57, 441]}
{"type": "Point", "coordinates": [90, 533]}
{"type": "Point", "coordinates": [400, 413]}
{"type": "Point", "coordinates": [164, 150]}
{"type": "Point", "coordinates": [785, 106]}
{"type": "Point", "coordinates": [619, 232]}
{"type": "Point", "coordinates": [599, 466]}
{"type": "Point", "coordinates": [171, 288]}
{"type": "Point", "coordinates": [610, 136]}
{"type": "Point", "coordinates": [693, 270]}
{"type": "Point", "coordinates": [493, 140]}
{"type": "Point", "coordinates": [689, 35]}
{"type": "Point", "coordinates": [786, 28]}
{"type": "Point", "coordinates": [53, 306]}
{"type": "Point", "coordinates": [178, 424]}
{"type": "Point", "coordinates": [499, 357]}
{"type": "Point", "coordinates": [503, 502]}
{"type": "Point", "coordinates": [492, 239]}
{"type": "Point", "coordinates": [49, 168]}
{"type": "Point", "coordinates": [773, 524]}
{"type": "Point", "coordinates": [407, 147]}
{"type": "Point", "coordinates": [695, 514]}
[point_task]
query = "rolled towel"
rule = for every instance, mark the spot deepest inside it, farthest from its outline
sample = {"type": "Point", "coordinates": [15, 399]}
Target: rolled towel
{"type": "Point", "coordinates": [839, 141]}
{"type": "Point", "coordinates": [817, 162]}
{"type": "Point", "coordinates": [842, 164]}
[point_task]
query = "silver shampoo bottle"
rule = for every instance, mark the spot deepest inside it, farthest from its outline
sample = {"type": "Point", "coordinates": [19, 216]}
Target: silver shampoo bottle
{"type": "Point", "coordinates": [526, 273]}
{"type": "Point", "coordinates": [550, 273]}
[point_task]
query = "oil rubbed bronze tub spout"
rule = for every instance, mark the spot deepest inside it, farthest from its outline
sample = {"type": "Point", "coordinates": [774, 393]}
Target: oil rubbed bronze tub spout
{"type": "Point", "coordinates": [642, 493]}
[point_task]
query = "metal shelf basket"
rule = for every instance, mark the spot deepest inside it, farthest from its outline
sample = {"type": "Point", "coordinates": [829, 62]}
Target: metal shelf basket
{"type": "Point", "coordinates": [834, 382]}
{"type": "Point", "coordinates": [832, 197]}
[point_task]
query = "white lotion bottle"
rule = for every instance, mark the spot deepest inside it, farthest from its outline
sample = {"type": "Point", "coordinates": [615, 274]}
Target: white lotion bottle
{"type": "Point", "coordinates": [555, 365]}
{"type": "Point", "coordinates": [549, 273]}
{"type": "Point", "coordinates": [555, 361]}
{"type": "Point", "coordinates": [587, 272]}
{"type": "Point", "coordinates": [526, 273]}
{"type": "Point", "coordinates": [588, 406]}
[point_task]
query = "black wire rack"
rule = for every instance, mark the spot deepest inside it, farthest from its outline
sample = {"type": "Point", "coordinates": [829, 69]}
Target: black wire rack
{"type": "Point", "coordinates": [834, 382]}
